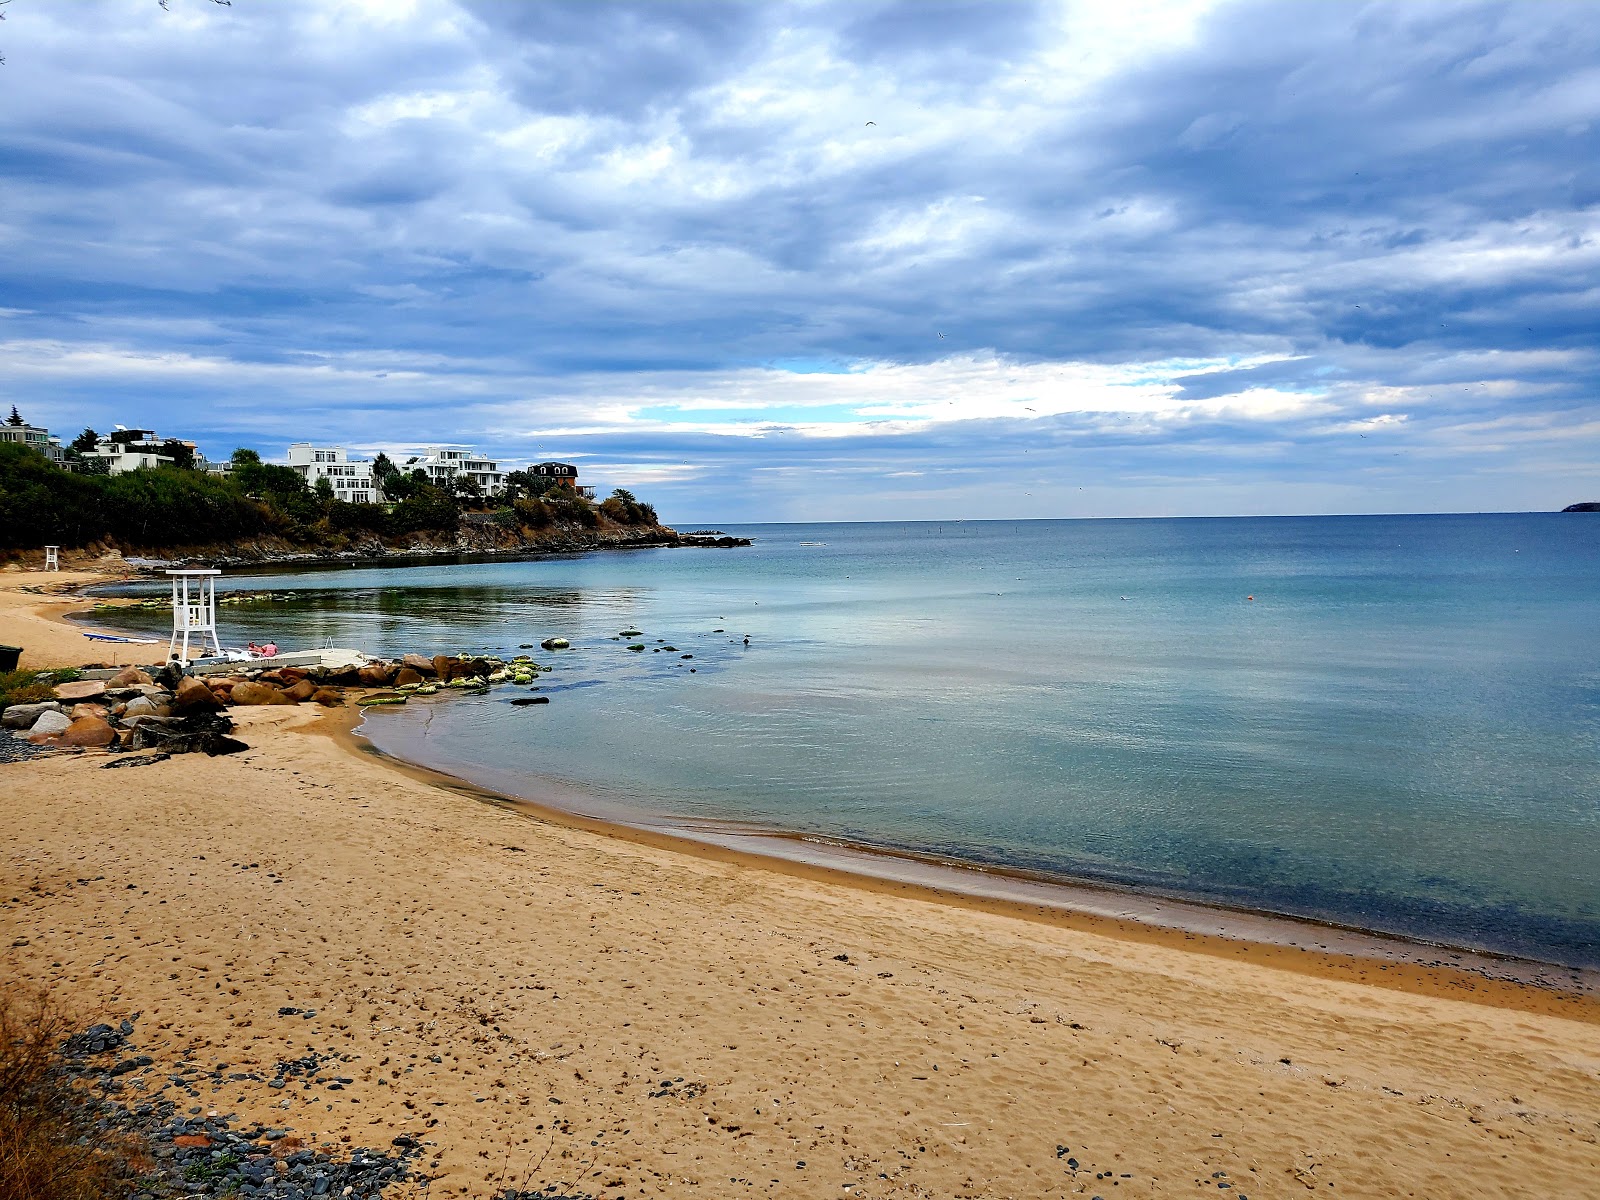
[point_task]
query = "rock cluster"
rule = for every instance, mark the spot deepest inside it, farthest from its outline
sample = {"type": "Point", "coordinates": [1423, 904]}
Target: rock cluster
{"type": "Point", "coordinates": [173, 713]}
{"type": "Point", "coordinates": [206, 1155]}
{"type": "Point", "coordinates": [130, 711]}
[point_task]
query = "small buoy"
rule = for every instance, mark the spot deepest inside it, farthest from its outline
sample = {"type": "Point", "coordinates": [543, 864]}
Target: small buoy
{"type": "Point", "coordinates": [1249, 597]}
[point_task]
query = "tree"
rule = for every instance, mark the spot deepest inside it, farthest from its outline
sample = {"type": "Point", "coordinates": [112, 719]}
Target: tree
{"type": "Point", "coordinates": [242, 457]}
{"type": "Point", "coordinates": [85, 441]}
{"type": "Point", "coordinates": [625, 508]}
{"type": "Point", "coordinates": [15, 419]}
{"type": "Point", "coordinates": [384, 476]}
{"type": "Point", "coordinates": [324, 489]}
{"type": "Point", "coordinates": [181, 454]}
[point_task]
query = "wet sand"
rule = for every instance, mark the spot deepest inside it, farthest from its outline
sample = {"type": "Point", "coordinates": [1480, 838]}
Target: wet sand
{"type": "Point", "coordinates": [542, 1002]}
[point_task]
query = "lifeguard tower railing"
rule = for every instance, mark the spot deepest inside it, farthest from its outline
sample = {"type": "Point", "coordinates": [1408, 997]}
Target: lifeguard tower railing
{"type": "Point", "coordinates": [194, 613]}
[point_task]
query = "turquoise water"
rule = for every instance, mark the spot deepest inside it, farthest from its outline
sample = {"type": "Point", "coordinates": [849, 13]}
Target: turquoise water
{"type": "Point", "coordinates": [1400, 732]}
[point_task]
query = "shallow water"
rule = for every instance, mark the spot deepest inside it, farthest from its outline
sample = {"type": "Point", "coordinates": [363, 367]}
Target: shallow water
{"type": "Point", "coordinates": [1399, 732]}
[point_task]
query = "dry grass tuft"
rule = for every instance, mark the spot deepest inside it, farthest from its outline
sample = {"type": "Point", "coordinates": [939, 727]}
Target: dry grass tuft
{"type": "Point", "coordinates": [49, 1147]}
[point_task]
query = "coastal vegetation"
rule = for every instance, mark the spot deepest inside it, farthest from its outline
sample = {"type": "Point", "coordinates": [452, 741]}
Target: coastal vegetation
{"type": "Point", "coordinates": [49, 1143]}
{"type": "Point", "coordinates": [177, 506]}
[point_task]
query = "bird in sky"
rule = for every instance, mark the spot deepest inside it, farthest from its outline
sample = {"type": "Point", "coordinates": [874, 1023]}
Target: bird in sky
{"type": "Point", "coordinates": [869, 123]}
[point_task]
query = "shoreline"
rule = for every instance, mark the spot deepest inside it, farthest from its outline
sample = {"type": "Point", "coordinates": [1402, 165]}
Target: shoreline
{"type": "Point", "coordinates": [1319, 949]}
{"type": "Point", "coordinates": [1371, 956]}
{"type": "Point", "coordinates": [314, 940]}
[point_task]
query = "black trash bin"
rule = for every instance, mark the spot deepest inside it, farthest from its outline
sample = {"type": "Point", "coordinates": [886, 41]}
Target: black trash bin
{"type": "Point", "coordinates": [9, 656]}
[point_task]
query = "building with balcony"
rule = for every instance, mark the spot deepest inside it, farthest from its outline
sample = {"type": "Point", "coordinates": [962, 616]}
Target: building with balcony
{"type": "Point", "coordinates": [133, 450]}
{"type": "Point", "coordinates": [443, 465]}
{"type": "Point", "coordinates": [19, 431]}
{"type": "Point", "coordinates": [351, 479]}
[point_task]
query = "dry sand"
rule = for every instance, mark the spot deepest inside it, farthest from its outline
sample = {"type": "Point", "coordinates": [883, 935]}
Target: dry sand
{"type": "Point", "coordinates": [543, 1003]}
{"type": "Point", "coordinates": [33, 608]}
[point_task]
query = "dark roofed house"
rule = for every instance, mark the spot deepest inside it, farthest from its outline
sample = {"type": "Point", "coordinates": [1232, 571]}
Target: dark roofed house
{"type": "Point", "coordinates": [563, 473]}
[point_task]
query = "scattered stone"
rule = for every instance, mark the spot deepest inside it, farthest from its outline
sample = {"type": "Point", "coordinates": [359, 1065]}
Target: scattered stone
{"type": "Point", "coordinates": [52, 723]}
{"type": "Point", "coordinates": [80, 711]}
{"type": "Point", "coordinates": [190, 695]}
{"type": "Point", "coordinates": [84, 689]}
{"type": "Point", "coordinates": [554, 643]}
{"type": "Point", "coordinates": [22, 716]}
{"type": "Point", "coordinates": [89, 731]}
{"type": "Point", "coordinates": [377, 674]}
{"type": "Point", "coordinates": [143, 706]}
{"type": "Point", "coordinates": [255, 692]}
{"type": "Point", "coordinates": [136, 760]}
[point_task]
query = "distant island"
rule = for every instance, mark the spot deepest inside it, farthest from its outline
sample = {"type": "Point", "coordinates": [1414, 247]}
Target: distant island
{"type": "Point", "coordinates": [1586, 506]}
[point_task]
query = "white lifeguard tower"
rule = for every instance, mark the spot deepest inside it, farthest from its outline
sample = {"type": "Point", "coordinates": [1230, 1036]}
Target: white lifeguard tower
{"type": "Point", "coordinates": [194, 611]}
{"type": "Point", "coordinates": [52, 558]}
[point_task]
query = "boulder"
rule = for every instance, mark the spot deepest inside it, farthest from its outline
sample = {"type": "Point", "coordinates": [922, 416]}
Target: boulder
{"type": "Point", "coordinates": [127, 677]}
{"type": "Point", "coordinates": [377, 674]}
{"type": "Point", "coordinates": [50, 724]}
{"type": "Point", "coordinates": [79, 711]}
{"type": "Point", "coordinates": [138, 719]}
{"type": "Point", "coordinates": [88, 731]}
{"type": "Point", "coordinates": [258, 693]}
{"type": "Point", "coordinates": [84, 689]}
{"type": "Point", "coordinates": [132, 690]}
{"type": "Point", "coordinates": [143, 707]}
{"type": "Point", "coordinates": [22, 716]}
{"type": "Point", "coordinates": [327, 697]}
{"type": "Point", "coordinates": [293, 675]}
{"type": "Point", "coordinates": [301, 691]}
{"type": "Point", "coordinates": [405, 676]}
{"type": "Point", "coordinates": [193, 696]}
{"type": "Point", "coordinates": [419, 664]}
{"type": "Point", "coordinates": [442, 664]}
{"type": "Point", "coordinates": [206, 734]}
{"type": "Point", "coordinates": [555, 643]}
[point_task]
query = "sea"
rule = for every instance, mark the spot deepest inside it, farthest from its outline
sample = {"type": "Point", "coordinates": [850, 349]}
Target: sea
{"type": "Point", "coordinates": [1380, 723]}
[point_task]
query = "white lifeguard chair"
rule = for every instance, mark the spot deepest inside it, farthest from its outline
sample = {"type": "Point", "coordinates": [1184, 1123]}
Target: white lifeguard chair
{"type": "Point", "coordinates": [194, 612]}
{"type": "Point", "coordinates": [52, 558]}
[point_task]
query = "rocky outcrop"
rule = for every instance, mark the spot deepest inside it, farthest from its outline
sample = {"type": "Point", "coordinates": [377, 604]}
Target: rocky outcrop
{"type": "Point", "coordinates": [1585, 506]}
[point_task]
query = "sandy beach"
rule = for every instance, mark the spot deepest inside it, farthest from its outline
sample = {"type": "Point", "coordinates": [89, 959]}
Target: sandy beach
{"type": "Point", "coordinates": [542, 1003]}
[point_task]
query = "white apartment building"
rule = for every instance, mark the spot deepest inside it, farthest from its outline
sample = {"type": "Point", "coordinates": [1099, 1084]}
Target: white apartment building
{"type": "Point", "coordinates": [351, 480]}
{"type": "Point", "coordinates": [131, 450]}
{"type": "Point", "coordinates": [443, 464]}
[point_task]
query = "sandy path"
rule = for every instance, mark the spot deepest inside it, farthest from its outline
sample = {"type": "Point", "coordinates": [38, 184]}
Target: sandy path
{"type": "Point", "coordinates": [662, 1022]}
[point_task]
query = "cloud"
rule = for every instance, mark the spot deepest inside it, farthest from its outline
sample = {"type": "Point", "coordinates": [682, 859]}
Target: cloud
{"type": "Point", "coordinates": [727, 250]}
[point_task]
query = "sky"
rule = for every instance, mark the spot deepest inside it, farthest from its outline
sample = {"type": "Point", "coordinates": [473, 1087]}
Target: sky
{"type": "Point", "coordinates": [827, 259]}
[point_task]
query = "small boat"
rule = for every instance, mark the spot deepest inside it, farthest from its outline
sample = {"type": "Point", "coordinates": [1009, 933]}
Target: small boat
{"type": "Point", "coordinates": [813, 543]}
